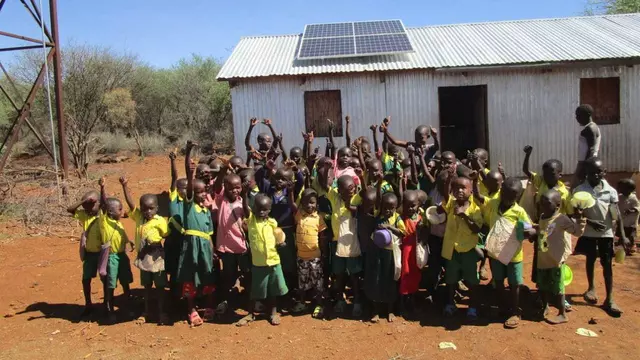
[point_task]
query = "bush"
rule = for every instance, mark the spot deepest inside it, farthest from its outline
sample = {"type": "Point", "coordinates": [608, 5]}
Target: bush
{"type": "Point", "coordinates": [113, 143]}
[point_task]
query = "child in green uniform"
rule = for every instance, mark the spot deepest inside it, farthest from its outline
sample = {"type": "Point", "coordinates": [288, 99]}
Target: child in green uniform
{"type": "Point", "coordinates": [464, 220]}
{"type": "Point", "coordinates": [151, 229]}
{"type": "Point", "coordinates": [267, 278]}
{"type": "Point", "coordinates": [554, 247]}
{"type": "Point", "coordinates": [86, 211]}
{"type": "Point", "coordinates": [506, 208]}
{"type": "Point", "coordinates": [112, 233]}
{"type": "Point", "coordinates": [195, 266]}
{"type": "Point", "coordinates": [173, 242]}
{"type": "Point", "coordinates": [345, 254]}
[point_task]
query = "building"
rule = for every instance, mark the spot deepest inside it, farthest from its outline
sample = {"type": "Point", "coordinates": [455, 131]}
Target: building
{"type": "Point", "coordinates": [498, 85]}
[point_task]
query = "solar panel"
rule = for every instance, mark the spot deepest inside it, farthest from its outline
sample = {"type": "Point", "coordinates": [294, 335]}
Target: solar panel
{"type": "Point", "coordinates": [378, 27]}
{"type": "Point", "coordinates": [328, 30]}
{"type": "Point", "coordinates": [327, 47]}
{"type": "Point", "coordinates": [321, 41]}
{"type": "Point", "coordinates": [372, 44]}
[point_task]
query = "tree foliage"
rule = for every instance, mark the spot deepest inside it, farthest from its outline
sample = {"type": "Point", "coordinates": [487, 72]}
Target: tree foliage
{"type": "Point", "coordinates": [612, 7]}
{"type": "Point", "coordinates": [110, 91]}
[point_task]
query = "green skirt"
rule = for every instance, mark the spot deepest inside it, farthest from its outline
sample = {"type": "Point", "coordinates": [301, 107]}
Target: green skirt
{"type": "Point", "coordinates": [379, 285]}
{"type": "Point", "coordinates": [195, 264]}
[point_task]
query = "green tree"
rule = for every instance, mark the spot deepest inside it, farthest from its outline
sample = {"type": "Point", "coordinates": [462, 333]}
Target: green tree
{"type": "Point", "coordinates": [612, 7]}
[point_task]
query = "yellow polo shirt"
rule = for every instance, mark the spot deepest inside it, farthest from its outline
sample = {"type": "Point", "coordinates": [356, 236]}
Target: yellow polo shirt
{"type": "Point", "coordinates": [307, 230]}
{"type": "Point", "coordinates": [339, 209]}
{"type": "Point", "coordinates": [94, 241]}
{"type": "Point", "coordinates": [458, 236]}
{"type": "Point", "coordinates": [153, 230]}
{"type": "Point", "coordinates": [483, 189]}
{"type": "Point", "coordinates": [112, 232]}
{"type": "Point", "coordinates": [262, 241]}
{"type": "Point", "coordinates": [542, 187]}
{"type": "Point", "coordinates": [513, 215]}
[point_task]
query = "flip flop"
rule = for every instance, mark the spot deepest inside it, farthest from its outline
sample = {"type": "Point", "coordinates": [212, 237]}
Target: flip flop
{"type": "Point", "coordinates": [612, 309]}
{"type": "Point", "coordinates": [512, 323]}
{"type": "Point", "coordinates": [274, 319]}
{"type": "Point", "coordinates": [590, 297]}
{"type": "Point", "coordinates": [245, 320]}
{"type": "Point", "coordinates": [318, 312]}
{"type": "Point", "coordinates": [195, 319]}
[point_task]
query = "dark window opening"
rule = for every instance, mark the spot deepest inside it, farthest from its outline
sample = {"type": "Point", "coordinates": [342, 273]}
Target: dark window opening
{"type": "Point", "coordinates": [320, 106]}
{"type": "Point", "coordinates": [603, 94]}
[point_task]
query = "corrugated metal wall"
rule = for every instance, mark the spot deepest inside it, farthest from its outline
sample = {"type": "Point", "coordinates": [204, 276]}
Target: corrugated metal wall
{"type": "Point", "coordinates": [524, 107]}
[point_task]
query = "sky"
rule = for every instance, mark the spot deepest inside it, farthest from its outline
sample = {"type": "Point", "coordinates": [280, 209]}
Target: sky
{"type": "Point", "coordinates": [162, 32]}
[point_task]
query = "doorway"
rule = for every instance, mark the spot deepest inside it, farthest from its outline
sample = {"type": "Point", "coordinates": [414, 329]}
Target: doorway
{"type": "Point", "coordinates": [463, 118]}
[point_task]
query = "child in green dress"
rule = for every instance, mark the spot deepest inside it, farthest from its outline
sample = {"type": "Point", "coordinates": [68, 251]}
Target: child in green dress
{"type": "Point", "coordinates": [195, 266]}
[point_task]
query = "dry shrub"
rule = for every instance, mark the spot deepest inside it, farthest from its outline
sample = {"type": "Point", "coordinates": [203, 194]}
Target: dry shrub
{"type": "Point", "coordinates": [39, 206]}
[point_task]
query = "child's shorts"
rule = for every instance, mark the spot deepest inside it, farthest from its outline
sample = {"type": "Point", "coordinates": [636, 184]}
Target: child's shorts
{"type": "Point", "coordinates": [344, 265]}
{"type": "Point", "coordinates": [118, 269]}
{"type": "Point", "coordinates": [595, 247]}
{"type": "Point", "coordinates": [551, 280]}
{"type": "Point", "coordinates": [310, 275]}
{"type": "Point", "coordinates": [462, 266]}
{"type": "Point", "coordinates": [512, 272]}
{"type": "Point", "coordinates": [148, 278]}
{"type": "Point", "coordinates": [267, 282]}
{"type": "Point", "coordinates": [90, 265]}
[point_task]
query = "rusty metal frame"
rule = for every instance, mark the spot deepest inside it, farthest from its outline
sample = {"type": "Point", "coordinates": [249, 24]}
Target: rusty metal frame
{"type": "Point", "coordinates": [24, 110]}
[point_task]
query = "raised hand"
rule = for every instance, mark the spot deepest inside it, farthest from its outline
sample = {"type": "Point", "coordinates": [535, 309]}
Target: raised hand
{"type": "Point", "coordinates": [528, 149]}
{"type": "Point", "coordinates": [433, 131]}
{"type": "Point", "coordinates": [191, 144]}
{"type": "Point", "coordinates": [311, 137]}
{"type": "Point", "coordinates": [123, 180]}
{"type": "Point", "coordinates": [373, 127]}
{"type": "Point", "coordinates": [411, 149]}
{"type": "Point", "coordinates": [331, 124]}
{"type": "Point", "coordinates": [266, 121]}
{"type": "Point", "coordinates": [253, 121]}
{"type": "Point", "coordinates": [102, 181]}
{"type": "Point", "coordinates": [172, 155]}
{"type": "Point", "coordinates": [347, 119]}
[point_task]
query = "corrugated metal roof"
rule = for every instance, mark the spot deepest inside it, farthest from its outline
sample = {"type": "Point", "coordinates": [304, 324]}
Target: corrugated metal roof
{"type": "Point", "coordinates": [450, 46]}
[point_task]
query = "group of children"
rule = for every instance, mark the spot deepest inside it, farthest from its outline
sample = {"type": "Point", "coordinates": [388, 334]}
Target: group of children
{"type": "Point", "coordinates": [357, 221]}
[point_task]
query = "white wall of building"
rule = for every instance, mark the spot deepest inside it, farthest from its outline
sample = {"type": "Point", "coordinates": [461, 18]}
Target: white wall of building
{"type": "Point", "coordinates": [524, 107]}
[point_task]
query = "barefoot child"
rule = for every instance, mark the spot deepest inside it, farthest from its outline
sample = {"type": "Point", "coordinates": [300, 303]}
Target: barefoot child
{"type": "Point", "coordinates": [151, 229]}
{"type": "Point", "coordinates": [554, 247]}
{"type": "Point", "coordinates": [86, 212]}
{"type": "Point", "coordinates": [464, 220]}
{"type": "Point", "coordinates": [346, 262]}
{"type": "Point", "coordinates": [310, 228]}
{"type": "Point", "coordinates": [112, 233]}
{"type": "Point", "coordinates": [629, 210]}
{"type": "Point", "coordinates": [195, 267]}
{"type": "Point", "coordinates": [411, 274]}
{"type": "Point", "coordinates": [597, 240]}
{"type": "Point", "coordinates": [505, 208]}
{"type": "Point", "coordinates": [267, 279]}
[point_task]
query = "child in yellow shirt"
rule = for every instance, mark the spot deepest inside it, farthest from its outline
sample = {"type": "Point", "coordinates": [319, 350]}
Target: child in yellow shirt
{"type": "Point", "coordinates": [151, 229]}
{"type": "Point", "coordinates": [112, 233]}
{"type": "Point", "coordinates": [86, 212]}
{"type": "Point", "coordinates": [464, 220]}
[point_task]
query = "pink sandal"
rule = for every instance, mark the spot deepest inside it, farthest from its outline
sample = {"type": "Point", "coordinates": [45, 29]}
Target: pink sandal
{"type": "Point", "coordinates": [195, 319]}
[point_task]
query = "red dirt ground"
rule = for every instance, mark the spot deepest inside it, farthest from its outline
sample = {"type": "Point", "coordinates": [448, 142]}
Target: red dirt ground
{"type": "Point", "coordinates": [41, 299]}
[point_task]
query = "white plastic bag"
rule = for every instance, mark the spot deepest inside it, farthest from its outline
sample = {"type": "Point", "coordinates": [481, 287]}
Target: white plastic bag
{"type": "Point", "coordinates": [422, 254]}
{"type": "Point", "coordinates": [397, 256]}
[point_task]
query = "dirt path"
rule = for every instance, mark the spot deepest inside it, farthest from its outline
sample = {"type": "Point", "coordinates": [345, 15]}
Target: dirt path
{"type": "Point", "coordinates": [42, 298]}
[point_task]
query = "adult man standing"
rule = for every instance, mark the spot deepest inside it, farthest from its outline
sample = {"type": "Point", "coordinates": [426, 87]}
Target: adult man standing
{"type": "Point", "coordinates": [588, 142]}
